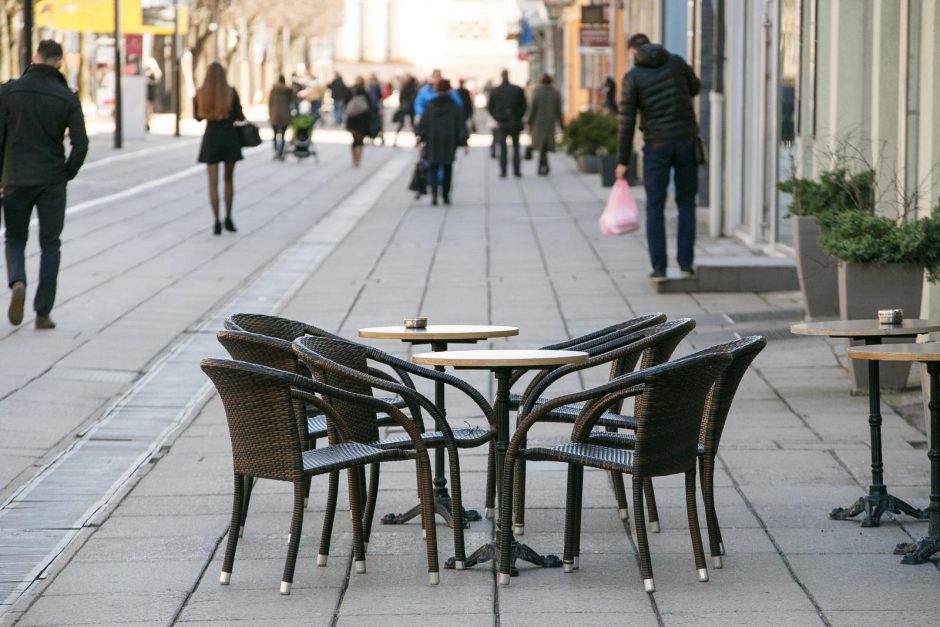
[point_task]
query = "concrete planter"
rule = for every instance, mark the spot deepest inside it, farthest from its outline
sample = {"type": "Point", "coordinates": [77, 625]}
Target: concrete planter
{"type": "Point", "coordinates": [589, 164]}
{"type": "Point", "coordinates": [863, 290]}
{"type": "Point", "coordinates": [816, 271]}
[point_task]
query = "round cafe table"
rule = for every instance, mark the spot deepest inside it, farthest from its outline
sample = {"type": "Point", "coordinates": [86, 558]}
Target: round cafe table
{"type": "Point", "coordinates": [502, 363]}
{"type": "Point", "coordinates": [871, 332]}
{"type": "Point", "coordinates": [438, 336]}
{"type": "Point", "coordinates": [918, 552]}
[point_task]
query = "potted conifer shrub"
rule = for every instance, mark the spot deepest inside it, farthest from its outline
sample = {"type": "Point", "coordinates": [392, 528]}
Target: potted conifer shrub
{"type": "Point", "coordinates": [585, 136]}
{"type": "Point", "coordinates": [817, 271]}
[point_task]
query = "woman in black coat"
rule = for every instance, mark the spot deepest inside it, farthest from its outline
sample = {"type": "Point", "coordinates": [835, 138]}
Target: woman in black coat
{"type": "Point", "coordinates": [441, 130]}
{"type": "Point", "coordinates": [218, 104]}
{"type": "Point", "coordinates": [358, 117]}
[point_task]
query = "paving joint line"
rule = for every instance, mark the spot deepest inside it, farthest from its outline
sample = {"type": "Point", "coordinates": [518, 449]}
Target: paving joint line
{"type": "Point", "coordinates": [336, 220]}
{"type": "Point", "coordinates": [773, 541]}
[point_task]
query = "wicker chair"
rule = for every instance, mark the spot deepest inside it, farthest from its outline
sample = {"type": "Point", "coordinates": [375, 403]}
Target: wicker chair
{"type": "Point", "coordinates": [344, 364]}
{"type": "Point", "coordinates": [742, 353]}
{"type": "Point", "coordinates": [590, 343]}
{"type": "Point", "coordinates": [260, 409]}
{"type": "Point", "coordinates": [670, 400]}
{"type": "Point", "coordinates": [651, 346]}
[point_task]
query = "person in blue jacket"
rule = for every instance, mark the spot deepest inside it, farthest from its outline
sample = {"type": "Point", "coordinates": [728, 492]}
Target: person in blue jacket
{"type": "Point", "coordinates": [428, 92]}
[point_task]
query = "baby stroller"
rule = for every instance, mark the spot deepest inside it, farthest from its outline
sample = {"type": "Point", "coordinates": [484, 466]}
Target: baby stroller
{"type": "Point", "coordinates": [301, 125]}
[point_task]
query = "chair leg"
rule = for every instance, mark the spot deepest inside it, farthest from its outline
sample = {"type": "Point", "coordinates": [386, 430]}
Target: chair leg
{"type": "Point", "coordinates": [694, 529]}
{"type": "Point", "coordinates": [651, 504]}
{"type": "Point", "coordinates": [329, 515]}
{"type": "Point", "coordinates": [621, 494]}
{"type": "Point", "coordinates": [233, 531]}
{"type": "Point", "coordinates": [249, 484]}
{"type": "Point", "coordinates": [567, 560]}
{"type": "Point", "coordinates": [369, 514]}
{"type": "Point", "coordinates": [355, 508]}
{"type": "Point", "coordinates": [456, 508]}
{"type": "Point", "coordinates": [426, 492]}
{"type": "Point", "coordinates": [489, 501]}
{"type": "Point", "coordinates": [579, 505]}
{"type": "Point", "coordinates": [642, 544]}
{"type": "Point", "coordinates": [707, 468]}
{"type": "Point", "coordinates": [296, 526]}
{"type": "Point", "coordinates": [518, 500]}
{"type": "Point", "coordinates": [504, 529]}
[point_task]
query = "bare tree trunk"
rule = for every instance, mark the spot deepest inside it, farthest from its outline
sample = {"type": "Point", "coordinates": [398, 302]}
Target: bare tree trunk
{"type": "Point", "coordinates": [6, 52]}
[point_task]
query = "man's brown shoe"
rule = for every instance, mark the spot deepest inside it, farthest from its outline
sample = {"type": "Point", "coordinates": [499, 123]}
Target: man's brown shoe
{"type": "Point", "coordinates": [44, 322]}
{"type": "Point", "coordinates": [17, 300]}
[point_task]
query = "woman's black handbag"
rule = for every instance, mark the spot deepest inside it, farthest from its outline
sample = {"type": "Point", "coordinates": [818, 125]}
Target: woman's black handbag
{"type": "Point", "coordinates": [248, 134]}
{"type": "Point", "coordinates": [419, 180]}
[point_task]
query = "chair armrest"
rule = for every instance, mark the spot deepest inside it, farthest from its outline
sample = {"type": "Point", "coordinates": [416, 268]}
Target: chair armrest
{"type": "Point", "coordinates": [434, 375]}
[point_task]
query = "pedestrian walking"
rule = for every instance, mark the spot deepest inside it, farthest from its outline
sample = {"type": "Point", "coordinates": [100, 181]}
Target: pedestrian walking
{"type": "Point", "coordinates": [279, 114]}
{"type": "Point", "coordinates": [340, 94]}
{"type": "Point", "coordinates": [544, 114]}
{"type": "Point", "coordinates": [406, 104]}
{"type": "Point", "coordinates": [376, 123]}
{"type": "Point", "coordinates": [358, 118]}
{"type": "Point", "coordinates": [507, 105]}
{"type": "Point", "coordinates": [218, 104]}
{"type": "Point", "coordinates": [466, 98]}
{"type": "Point", "coordinates": [609, 93]}
{"type": "Point", "coordinates": [152, 76]}
{"type": "Point", "coordinates": [660, 87]}
{"type": "Point", "coordinates": [35, 112]}
{"type": "Point", "coordinates": [441, 130]}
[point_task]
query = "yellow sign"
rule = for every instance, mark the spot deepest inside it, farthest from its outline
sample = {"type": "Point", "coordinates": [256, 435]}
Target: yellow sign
{"type": "Point", "coordinates": [137, 16]}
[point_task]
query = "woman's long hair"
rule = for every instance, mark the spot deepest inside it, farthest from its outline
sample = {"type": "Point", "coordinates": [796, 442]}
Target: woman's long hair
{"type": "Point", "coordinates": [214, 97]}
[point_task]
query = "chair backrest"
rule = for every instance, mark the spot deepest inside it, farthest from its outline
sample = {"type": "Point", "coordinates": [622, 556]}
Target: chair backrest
{"type": "Point", "coordinates": [321, 353]}
{"type": "Point", "coordinates": [586, 341]}
{"type": "Point", "coordinates": [274, 326]}
{"type": "Point", "coordinates": [670, 417]}
{"type": "Point", "coordinates": [261, 420]}
{"type": "Point", "coordinates": [267, 351]}
{"type": "Point", "coordinates": [719, 401]}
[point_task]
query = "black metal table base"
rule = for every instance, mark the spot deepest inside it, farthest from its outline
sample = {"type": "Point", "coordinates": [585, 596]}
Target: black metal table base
{"type": "Point", "coordinates": [517, 551]}
{"type": "Point", "coordinates": [442, 507]}
{"type": "Point", "coordinates": [918, 552]}
{"type": "Point", "coordinates": [875, 506]}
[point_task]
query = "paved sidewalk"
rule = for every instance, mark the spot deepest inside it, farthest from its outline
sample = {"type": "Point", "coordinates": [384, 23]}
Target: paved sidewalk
{"type": "Point", "coordinates": [523, 252]}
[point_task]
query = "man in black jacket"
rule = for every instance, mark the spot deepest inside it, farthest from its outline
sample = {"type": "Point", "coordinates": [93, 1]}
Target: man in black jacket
{"type": "Point", "coordinates": [35, 111]}
{"type": "Point", "coordinates": [660, 86]}
{"type": "Point", "coordinates": [507, 105]}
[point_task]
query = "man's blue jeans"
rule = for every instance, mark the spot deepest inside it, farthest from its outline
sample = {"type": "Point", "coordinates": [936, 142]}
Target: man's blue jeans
{"type": "Point", "coordinates": [658, 159]}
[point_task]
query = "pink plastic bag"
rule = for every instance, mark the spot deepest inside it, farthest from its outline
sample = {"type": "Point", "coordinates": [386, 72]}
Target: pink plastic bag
{"type": "Point", "coordinates": [620, 215]}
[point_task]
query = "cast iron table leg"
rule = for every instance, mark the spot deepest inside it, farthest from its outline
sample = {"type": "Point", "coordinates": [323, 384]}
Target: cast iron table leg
{"type": "Point", "coordinates": [877, 502]}
{"type": "Point", "coordinates": [490, 550]}
{"type": "Point", "coordinates": [442, 502]}
{"type": "Point", "coordinates": [919, 552]}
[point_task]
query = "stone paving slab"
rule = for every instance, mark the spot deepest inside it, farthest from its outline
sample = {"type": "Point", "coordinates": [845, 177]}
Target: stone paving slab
{"type": "Point", "coordinates": [508, 251]}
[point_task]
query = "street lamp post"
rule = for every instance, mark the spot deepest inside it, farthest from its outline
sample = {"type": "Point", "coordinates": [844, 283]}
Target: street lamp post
{"type": "Point", "coordinates": [27, 33]}
{"type": "Point", "coordinates": [118, 131]}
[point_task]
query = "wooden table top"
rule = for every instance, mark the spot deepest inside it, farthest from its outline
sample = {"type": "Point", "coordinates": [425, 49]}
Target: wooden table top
{"type": "Point", "coordinates": [439, 332]}
{"type": "Point", "coordinates": [500, 358]}
{"type": "Point", "coordinates": [864, 328]}
{"type": "Point", "coordinates": [928, 351]}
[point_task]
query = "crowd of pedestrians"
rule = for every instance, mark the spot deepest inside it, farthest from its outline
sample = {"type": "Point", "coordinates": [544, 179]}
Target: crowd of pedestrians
{"type": "Point", "coordinates": [38, 109]}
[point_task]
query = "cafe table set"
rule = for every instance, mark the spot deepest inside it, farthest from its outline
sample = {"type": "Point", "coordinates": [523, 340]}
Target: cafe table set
{"type": "Point", "coordinates": [878, 501]}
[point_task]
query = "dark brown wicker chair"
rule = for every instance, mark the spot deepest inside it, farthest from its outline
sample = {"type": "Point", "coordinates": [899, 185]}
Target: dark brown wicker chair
{"type": "Point", "coordinates": [650, 346]}
{"type": "Point", "coordinates": [670, 399]}
{"type": "Point", "coordinates": [742, 353]}
{"type": "Point", "coordinates": [590, 343]}
{"type": "Point", "coordinates": [345, 365]}
{"type": "Point", "coordinates": [260, 409]}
